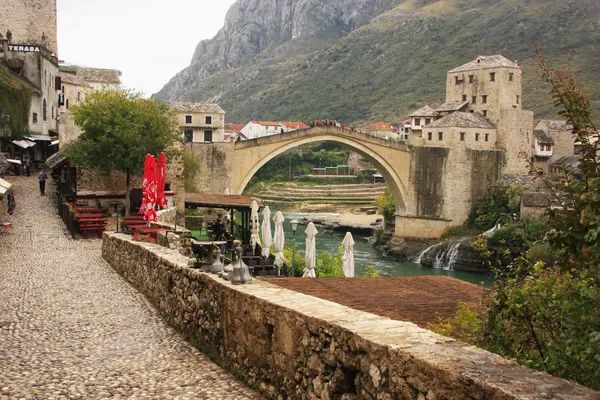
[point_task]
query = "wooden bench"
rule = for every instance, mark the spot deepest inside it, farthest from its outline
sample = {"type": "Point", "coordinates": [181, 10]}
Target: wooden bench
{"type": "Point", "coordinates": [95, 225]}
{"type": "Point", "coordinates": [88, 210]}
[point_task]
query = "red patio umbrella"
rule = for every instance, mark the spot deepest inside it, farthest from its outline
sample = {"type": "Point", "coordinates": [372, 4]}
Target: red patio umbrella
{"type": "Point", "coordinates": [161, 178]}
{"type": "Point", "coordinates": [149, 190]}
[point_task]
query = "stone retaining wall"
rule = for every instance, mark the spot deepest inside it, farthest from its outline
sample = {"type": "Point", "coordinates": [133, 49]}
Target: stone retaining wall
{"type": "Point", "coordinates": [292, 346]}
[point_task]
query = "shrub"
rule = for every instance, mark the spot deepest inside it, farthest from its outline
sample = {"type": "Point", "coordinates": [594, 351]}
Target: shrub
{"type": "Point", "coordinates": [370, 272]}
{"type": "Point", "coordinates": [386, 205]}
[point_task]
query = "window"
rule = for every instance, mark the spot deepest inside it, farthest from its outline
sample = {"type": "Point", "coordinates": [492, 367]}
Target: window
{"type": "Point", "coordinates": [189, 135]}
{"type": "Point", "coordinates": [429, 135]}
{"type": "Point", "coordinates": [427, 121]}
{"type": "Point", "coordinates": [474, 100]}
{"type": "Point", "coordinates": [208, 121]}
{"type": "Point", "coordinates": [518, 98]}
{"type": "Point", "coordinates": [78, 96]}
{"type": "Point", "coordinates": [44, 110]}
{"type": "Point", "coordinates": [34, 118]}
{"type": "Point", "coordinates": [471, 111]}
{"type": "Point", "coordinates": [208, 136]}
{"type": "Point", "coordinates": [484, 113]}
{"type": "Point", "coordinates": [541, 147]}
{"type": "Point", "coordinates": [492, 77]}
{"type": "Point", "coordinates": [52, 111]}
{"type": "Point", "coordinates": [462, 136]}
{"type": "Point", "coordinates": [440, 135]}
{"type": "Point", "coordinates": [487, 137]}
{"type": "Point", "coordinates": [464, 97]}
{"type": "Point", "coordinates": [484, 99]}
{"type": "Point", "coordinates": [548, 148]}
{"type": "Point", "coordinates": [417, 121]}
{"type": "Point", "coordinates": [63, 88]}
{"type": "Point", "coordinates": [510, 76]}
{"type": "Point", "coordinates": [67, 104]}
{"type": "Point", "coordinates": [471, 78]}
{"type": "Point", "coordinates": [457, 80]}
{"type": "Point", "coordinates": [477, 137]}
{"type": "Point", "coordinates": [188, 119]}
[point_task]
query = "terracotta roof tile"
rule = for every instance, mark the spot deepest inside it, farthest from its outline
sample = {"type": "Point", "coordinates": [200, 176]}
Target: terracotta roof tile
{"type": "Point", "coordinates": [295, 125]}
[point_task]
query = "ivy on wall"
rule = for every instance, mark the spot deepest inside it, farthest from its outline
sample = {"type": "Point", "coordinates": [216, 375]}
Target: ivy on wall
{"type": "Point", "coordinates": [15, 100]}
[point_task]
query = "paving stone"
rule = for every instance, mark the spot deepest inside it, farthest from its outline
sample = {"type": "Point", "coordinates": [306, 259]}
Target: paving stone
{"type": "Point", "coordinates": [71, 328]}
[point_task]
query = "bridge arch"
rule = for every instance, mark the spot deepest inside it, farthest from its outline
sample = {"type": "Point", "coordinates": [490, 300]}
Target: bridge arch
{"type": "Point", "coordinates": [391, 159]}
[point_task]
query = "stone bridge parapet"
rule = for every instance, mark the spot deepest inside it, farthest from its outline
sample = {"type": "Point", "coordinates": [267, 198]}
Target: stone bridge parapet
{"type": "Point", "coordinates": [319, 131]}
{"type": "Point", "coordinates": [289, 345]}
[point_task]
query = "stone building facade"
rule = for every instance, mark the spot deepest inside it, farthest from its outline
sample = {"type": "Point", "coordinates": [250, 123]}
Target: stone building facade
{"type": "Point", "coordinates": [39, 67]}
{"type": "Point", "coordinates": [29, 20]}
{"type": "Point", "coordinates": [76, 82]}
{"type": "Point", "coordinates": [200, 122]}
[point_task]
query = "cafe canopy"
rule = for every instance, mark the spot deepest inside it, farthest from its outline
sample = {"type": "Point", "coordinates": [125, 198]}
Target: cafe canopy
{"type": "Point", "coordinates": [240, 203]}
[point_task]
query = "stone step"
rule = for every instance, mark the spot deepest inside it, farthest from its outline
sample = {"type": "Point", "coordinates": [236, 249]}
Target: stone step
{"type": "Point", "coordinates": [340, 191]}
{"type": "Point", "coordinates": [340, 200]}
{"type": "Point", "coordinates": [321, 194]}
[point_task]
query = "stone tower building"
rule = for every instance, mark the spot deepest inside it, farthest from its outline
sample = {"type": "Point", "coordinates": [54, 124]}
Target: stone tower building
{"type": "Point", "coordinates": [492, 86]}
{"type": "Point", "coordinates": [29, 20]}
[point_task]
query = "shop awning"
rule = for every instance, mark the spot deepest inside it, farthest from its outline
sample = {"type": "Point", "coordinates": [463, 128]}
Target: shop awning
{"type": "Point", "coordinates": [4, 186]}
{"type": "Point", "coordinates": [25, 144]}
{"type": "Point", "coordinates": [54, 143]}
{"type": "Point", "coordinates": [219, 201]}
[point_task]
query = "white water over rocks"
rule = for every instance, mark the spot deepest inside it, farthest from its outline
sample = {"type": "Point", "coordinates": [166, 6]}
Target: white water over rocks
{"type": "Point", "coordinates": [445, 255]}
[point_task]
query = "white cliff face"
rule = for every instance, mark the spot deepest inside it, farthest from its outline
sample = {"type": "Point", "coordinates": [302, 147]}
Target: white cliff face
{"type": "Point", "coordinates": [255, 26]}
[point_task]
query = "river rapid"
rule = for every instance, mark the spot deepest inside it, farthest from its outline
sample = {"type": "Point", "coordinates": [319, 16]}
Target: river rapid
{"type": "Point", "coordinates": [365, 254]}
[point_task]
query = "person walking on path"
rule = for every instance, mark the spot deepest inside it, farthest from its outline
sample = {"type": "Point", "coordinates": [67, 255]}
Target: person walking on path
{"type": "Point", "coordinates": [42, 178]}
{"type": "Point", "coordinates": [28, 167]}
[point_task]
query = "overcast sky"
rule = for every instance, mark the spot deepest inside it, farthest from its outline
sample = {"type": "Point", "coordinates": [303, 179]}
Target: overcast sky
{"type": "Point", "coordinates": [148, 40]}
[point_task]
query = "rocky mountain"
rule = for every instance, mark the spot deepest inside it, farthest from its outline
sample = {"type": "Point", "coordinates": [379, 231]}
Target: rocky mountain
{"type": "Point", "coordinates": [365, 60]}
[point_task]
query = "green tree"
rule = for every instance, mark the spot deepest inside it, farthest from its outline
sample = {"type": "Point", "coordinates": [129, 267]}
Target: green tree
{"type": "Point", "coordinates": [386, 205]}
{"type": "Point", "coordinates": [120, 128]}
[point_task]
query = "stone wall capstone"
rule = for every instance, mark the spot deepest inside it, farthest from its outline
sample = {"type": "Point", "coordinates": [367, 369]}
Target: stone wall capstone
{"type": "Point", "coordinates": [289, 345]}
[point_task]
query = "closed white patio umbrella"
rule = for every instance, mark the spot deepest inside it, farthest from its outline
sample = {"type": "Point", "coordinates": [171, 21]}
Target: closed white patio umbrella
{"type": "Point", "coordinates": [279, 239]}
{"type": "Point", "coordinates": [311, 252]}
{"type": "Point", "coordinates": [254, 237]}
{"type": "Point", "coordinates": [266, 232]}
{"type": "Point", "coordinates": [348, 257]}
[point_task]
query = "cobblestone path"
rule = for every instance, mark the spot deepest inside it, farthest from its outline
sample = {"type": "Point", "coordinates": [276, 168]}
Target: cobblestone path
{"type": "Point", "coordinates": [71, 328]}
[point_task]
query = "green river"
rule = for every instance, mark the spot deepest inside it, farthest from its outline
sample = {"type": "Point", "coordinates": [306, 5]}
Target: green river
{"type": "Point", "coordinates": [366, 255]}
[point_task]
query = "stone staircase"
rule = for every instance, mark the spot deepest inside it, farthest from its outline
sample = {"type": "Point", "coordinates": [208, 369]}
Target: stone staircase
{"type": "Point", "coordinates": [364, 194]}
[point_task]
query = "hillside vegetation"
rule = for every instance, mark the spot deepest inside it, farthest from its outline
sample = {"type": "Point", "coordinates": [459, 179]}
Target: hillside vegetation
{"type": "Point", "coordinates": [397, 62]}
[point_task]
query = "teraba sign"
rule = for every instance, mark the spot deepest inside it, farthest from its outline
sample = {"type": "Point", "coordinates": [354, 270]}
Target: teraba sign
{"type": "Point", "coordinates": [25, 48]}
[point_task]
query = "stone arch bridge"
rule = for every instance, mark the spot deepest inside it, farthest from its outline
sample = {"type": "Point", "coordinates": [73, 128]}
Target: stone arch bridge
{"type": "Point", "coordinates": [433, 187]}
